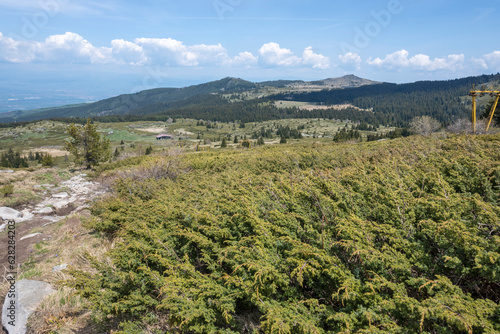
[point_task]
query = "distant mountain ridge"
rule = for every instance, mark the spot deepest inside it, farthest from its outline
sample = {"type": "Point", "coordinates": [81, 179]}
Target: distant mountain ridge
{"type": "Point", "coordinates": [232, 99]}
{"type": "Point", "coordinates": [126, 103]}
{"type": "Point", "coordinates": [346, 81]}
{"type": "Point", "coordinates": [158, 99]}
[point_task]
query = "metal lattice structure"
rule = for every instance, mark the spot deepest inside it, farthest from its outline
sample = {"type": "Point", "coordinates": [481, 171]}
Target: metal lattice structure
{"type": "Point", "coordinates": [475, 93]}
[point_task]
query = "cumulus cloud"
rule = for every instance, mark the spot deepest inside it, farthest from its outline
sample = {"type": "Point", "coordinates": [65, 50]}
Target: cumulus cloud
{"type": "Point", "coordinates": [244, 59]}
{"type": "Point", "coordinates": [350, 60]}
{"type": "Point", "coordinates": [73, 48]}
{"type": "Point", "coordinates": [402, 59]}
{"type": "Point", "coordinates": [126, 52]}
{"type": "Point", "coordinates": [15, 51]}
{"type": "Point", "coordinates": [489, 61]}
{"type": "Point", "coordinates": [271, 54]}
{"type": "Point", "coordinates": [315, 60]}
{"type": "Point", "coordinates": [67, 48]}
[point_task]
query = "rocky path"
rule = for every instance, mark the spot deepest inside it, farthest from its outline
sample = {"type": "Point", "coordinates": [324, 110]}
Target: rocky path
{"type": "Point", "coordinates": [32, 221]}
{"type": "Point", "coordinates": [69, 197]}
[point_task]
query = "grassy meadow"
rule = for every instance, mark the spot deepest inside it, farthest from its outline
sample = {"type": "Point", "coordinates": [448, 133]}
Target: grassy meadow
{"type": "Point", "coordinates": [50, 137]}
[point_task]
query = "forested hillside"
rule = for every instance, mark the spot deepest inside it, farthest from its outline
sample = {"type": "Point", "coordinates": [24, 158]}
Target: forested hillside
{"type": "Point", "coordinates": [398, 236]}
{"type": "Point", "coordinates": [392, 104]}
{"type": "Point", "coordinates": [398, 104]}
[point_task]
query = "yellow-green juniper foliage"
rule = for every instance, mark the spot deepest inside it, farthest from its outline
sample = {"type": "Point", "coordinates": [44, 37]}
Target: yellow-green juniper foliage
{"type": "Point", "coordinates": [398, 236]}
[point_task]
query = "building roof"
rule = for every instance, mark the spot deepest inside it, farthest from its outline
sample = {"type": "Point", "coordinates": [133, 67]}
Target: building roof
{"type": "Point", "coordinates": [164, 135]}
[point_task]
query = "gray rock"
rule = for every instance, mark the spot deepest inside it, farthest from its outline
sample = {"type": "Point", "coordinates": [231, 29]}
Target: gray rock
{"type": "Point", "coordinates": [60, 195]}
{"type": "Point", "coordinates": [8, 213]}
{"type": "Point", "coordinates": [59, 267]}
{"type": "Point", "coordinates": [81, 207]}
{"type": "Point", "coordinates": [6, 171]}
{"type": "Point", "coordinates": [26, 214]}
{"type": "Point", "coordinates": [28, 296]}
{"type": "Point", "coordinates": [60, 204]}
{"type": "Point", "coordinates": [29, 236]}
{"type": "Point", "coordinates": [45, 210]}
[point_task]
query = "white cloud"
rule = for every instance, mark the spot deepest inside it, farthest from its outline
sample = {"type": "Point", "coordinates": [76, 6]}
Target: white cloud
{"type": "Point", "coordinates": [67, 48]}
{"type": "Point", "coordinates": [350, 60]}
{"type": "Point", "coordinates": [14, 51]}
{"type": "Point", "coordinates": [402, 59]}
{"type": "Point", "coordinates": [244, 59]}
{"type": "Point", "coordinates": [73, 48]}
{"type": "Point", "coordinates": [489, 61]}
{"type": "Point", "coordinates": [168, 51]}
{"type": "Point", "coordinates": [127, 52]}
{"type": "Point", "coordinates": [271, 54]}
{"type": "Point", "coordinates": [315, 60]}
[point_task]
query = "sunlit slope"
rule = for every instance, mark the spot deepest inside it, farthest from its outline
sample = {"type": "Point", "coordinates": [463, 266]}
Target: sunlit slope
{"type": "Point", "coordinates": [388, 237]}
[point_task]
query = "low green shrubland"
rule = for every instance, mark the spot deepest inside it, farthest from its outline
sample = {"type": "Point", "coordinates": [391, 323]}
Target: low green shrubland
{"type": "Point", "coordinates": [398, 236]}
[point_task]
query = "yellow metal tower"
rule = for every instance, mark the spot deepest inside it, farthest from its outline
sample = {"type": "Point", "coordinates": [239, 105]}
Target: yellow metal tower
{"type": "Point", "coordinates": [474, 93]}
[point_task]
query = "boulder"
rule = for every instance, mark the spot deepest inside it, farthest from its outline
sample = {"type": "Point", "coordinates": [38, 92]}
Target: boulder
{"type": "Point", "coordinates": [26, 214]}
{"type": "Point", "coordinates": [45, 210]}
{"type": "Point", "coordinates": [8, 213]}
{"type": "Point", "coordinates": [59, 267]}
{"type": "Point", "coordinates": [29, 296]}
{"type": "Point", "coordinates": [61, 204]}
{"type": "Point", "coordinates": [60, 195]}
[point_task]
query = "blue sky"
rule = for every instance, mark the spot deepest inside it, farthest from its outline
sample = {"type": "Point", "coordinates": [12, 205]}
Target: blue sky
{"type": "Point", "coordinates": [100, 48]}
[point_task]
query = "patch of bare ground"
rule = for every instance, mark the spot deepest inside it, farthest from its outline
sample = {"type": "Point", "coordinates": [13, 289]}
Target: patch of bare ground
{"type": "Point", "coordinates": [153, 130]}
{"type": "Point", "coordinates": [53, 151]}
{"type": "Point", "coordinates": [335, 106]}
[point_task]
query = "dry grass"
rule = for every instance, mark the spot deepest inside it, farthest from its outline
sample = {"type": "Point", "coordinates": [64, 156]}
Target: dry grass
{"type": "Point", "coordinates": [61, 312]}
{"type": "Point", "coordinates": [183, 132]}
{"type": "Point", "coordinates": [153, 130]}
{"type": "Point", "coordinates": [55, 152]}
{"type": "Point", "coordinates": [25, 184]}
{"type": "Point", "coordinates": [18, 175]}
{"type": "Point", "coordinates": [166, 165]}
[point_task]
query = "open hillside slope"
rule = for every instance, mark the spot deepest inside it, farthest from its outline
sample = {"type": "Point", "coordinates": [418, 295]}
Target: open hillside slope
{"type": "Point", "coordinates": [346, 81]}
{"type": "Point", "coordinates": [396, 236]}
{"type": "Point", "coordinates": [126, 103]}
